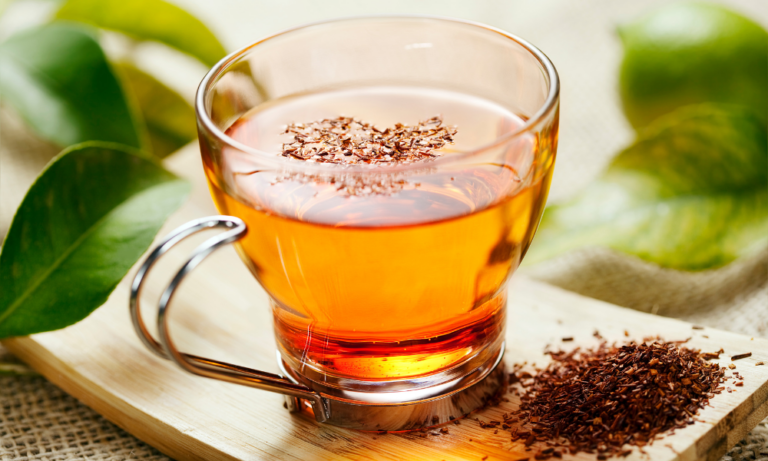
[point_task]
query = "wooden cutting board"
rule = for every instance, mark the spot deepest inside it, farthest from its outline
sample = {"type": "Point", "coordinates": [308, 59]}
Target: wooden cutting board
{"type": "Point", "coordinates": [221, 312]}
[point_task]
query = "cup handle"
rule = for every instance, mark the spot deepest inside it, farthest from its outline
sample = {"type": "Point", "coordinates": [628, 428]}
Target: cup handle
{"type": "Point", "coordinates": [199, 365]}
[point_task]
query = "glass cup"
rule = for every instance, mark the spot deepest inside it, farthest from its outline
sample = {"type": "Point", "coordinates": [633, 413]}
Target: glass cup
{"type": "Point", "coordinates": [383, 278]}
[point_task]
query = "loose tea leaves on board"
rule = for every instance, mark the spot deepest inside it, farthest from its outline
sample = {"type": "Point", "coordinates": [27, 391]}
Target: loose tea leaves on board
{"type": "Point", "coordinates": [604, 399]}
{"type": "Point", "coordinates": [741, 356]}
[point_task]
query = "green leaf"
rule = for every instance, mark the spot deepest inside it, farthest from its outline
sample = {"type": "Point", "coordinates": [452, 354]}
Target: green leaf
{"type": "Point", "coordinates": [82, 225]}
{"type": "Point", "coordinates": [155, 20]}
{"type": "Point", "coordinates": [59, 81]}
{"type": "Point", "coordinates": [691, 193]}
{"type": "Point", "coordinates": [170, 120]}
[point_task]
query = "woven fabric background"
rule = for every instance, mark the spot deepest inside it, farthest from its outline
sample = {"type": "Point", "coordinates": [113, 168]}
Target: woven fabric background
{"type": "Point", "coordinates": [40, 422]}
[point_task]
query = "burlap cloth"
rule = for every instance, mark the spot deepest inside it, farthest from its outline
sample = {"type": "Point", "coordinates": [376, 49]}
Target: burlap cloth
{"type": "Point", "coordinates": [40, 422]}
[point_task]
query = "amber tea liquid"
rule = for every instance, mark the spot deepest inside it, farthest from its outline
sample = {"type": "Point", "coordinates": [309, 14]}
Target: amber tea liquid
{"type": "Point", "coordinates": [399, 285]}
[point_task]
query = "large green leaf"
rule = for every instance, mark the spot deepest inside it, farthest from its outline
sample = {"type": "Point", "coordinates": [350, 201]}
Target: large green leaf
{"type": "Point", "coordinates": [59, 81]}
{"type": "Point", "coordinates": [169, 118]}
{"type": "Point", "coordinates": [148, 20]}
{"type": "Point", "coordinates": [84, 222]}
{"type": "Point", "coordinates": [691, 193]}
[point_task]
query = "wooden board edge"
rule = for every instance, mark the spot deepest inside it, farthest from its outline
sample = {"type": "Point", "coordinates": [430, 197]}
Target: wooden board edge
{"type": "Point", "coordinates": [721, 437]}
{"type": "Point", "coordinates": [739, 431]}
{"type": "Point", "coordinates": [129, 418]}
{"type": "Point", "coordinates": [711, 445]}
{"type": "Point", "coordinates": [736, 424]}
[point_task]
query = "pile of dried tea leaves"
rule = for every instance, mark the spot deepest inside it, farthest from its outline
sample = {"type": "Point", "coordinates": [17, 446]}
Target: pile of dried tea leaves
{"type": "Point", "coordinates": [604, 399]}
{"type": "Point", "coordinates": [345, 140]}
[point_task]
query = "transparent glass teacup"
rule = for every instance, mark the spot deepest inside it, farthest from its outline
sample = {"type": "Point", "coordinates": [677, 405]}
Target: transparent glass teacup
{"type": "Point", "coordinates": [383, 277]}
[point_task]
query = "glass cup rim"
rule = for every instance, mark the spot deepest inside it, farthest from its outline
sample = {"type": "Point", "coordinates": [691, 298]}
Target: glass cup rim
{"type": "Point", "coordinates": [550, 103]}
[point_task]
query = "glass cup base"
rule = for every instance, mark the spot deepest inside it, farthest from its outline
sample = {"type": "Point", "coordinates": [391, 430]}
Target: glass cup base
{"type": "Point", "coordinates": [329, 383]}
{"type": "Point", "coordinates": [406, 410]}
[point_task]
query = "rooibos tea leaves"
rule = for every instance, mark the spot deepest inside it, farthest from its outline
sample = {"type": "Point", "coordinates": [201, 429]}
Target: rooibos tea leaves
{"type": "Point", "coordinates": [603, 399]}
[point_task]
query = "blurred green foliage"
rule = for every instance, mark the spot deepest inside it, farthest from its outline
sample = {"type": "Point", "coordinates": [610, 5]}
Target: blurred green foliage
{"type": "Point", "coordinates": [148, 20]}
{"type": "Point", "coordinates": [57, 76]}
{"type": "Point", "coordinates": [58, 79]}
{"type": "Point", "coordinates": [691, 193]}
{"type": "Point", "coordinates": [169, 119]}
{"type": "Point", "coordinates": [690, 53]}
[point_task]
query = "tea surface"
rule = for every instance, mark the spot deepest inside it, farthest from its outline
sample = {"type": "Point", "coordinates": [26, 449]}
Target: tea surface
{"type": "Point", "coordinates": [405, 279]}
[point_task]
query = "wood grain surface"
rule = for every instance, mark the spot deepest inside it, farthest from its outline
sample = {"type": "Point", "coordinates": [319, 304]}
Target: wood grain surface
{"type": "Point", "coordinates": [221, 312]}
